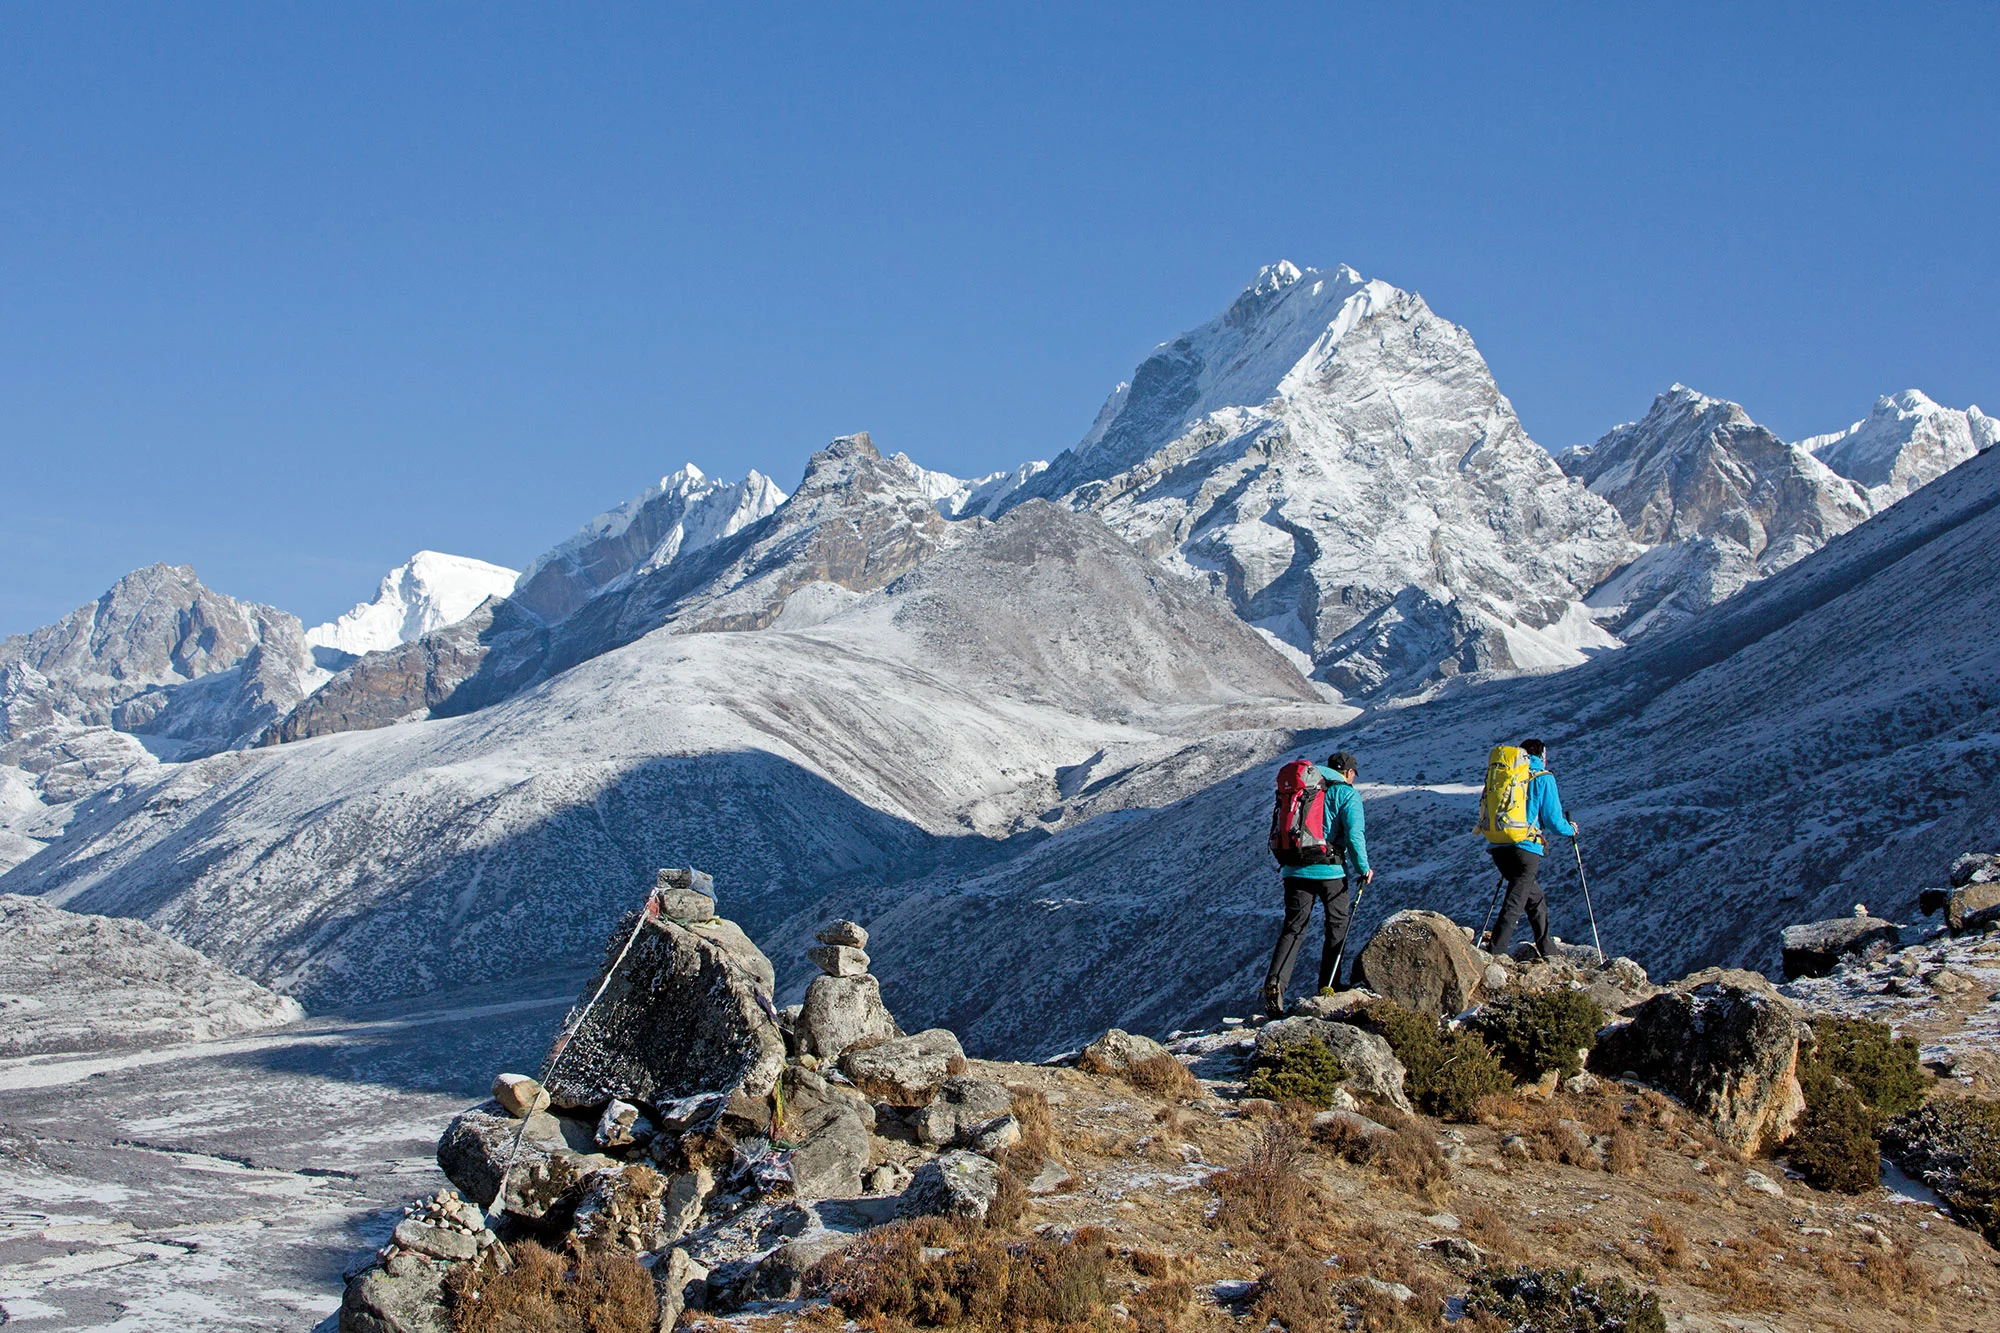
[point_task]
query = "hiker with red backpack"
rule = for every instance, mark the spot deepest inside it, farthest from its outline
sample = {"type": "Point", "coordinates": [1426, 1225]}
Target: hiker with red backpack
{"type": "Point", "coordinates": [1520, 802]}
{"type": "Point", "coordinates": [1317, 834]}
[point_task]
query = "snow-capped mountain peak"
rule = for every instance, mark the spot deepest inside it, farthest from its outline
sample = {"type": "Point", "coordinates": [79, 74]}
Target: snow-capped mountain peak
{"type": "Point", "coordinates": [426, 592]}
{"type": "Point", "coordinates": [1906, 441]}
{"type": "Point", "coordinates": [681, 513]}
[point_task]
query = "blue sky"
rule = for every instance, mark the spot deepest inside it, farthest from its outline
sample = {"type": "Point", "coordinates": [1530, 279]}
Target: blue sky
{"type": "Point", "coordinates": [289, 292]}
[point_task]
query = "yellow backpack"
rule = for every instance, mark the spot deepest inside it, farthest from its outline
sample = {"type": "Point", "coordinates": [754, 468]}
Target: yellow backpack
{"type": "Point", "coordinates": [1503, 806]}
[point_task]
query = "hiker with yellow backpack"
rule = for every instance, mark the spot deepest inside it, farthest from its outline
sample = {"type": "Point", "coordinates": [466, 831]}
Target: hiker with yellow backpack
{"type": "Point", "coordinates": [1519, 802]}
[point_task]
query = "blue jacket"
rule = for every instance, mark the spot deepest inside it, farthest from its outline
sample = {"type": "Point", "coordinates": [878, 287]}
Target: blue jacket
{"type": "Point", "coordinates": [1545, 807]}
{"type": "Point", "coordinates": [1345, 828]}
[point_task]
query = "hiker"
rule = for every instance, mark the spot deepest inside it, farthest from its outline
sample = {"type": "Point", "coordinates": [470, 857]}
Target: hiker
{"type": "Point", "coordinates": [1518, 847]}
{"type": "Point", "coordinates": [1317, 834]}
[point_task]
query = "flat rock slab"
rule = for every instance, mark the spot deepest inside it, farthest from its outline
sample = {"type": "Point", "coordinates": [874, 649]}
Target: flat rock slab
{"type": "Point", "coordinates": [687, 1011]}
{"type": "Point", "coordinates": [838, 960]}
{"type": "Point", "coordinates": [1815, 948]}
{"type": "Point", "coordinates": [907, 1071]}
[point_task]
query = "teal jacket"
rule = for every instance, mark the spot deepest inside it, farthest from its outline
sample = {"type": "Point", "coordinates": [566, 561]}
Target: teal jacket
{"type": "Point", "coordinates": [1545, 807]}
{"type": "Point", "coordinates": [1346, 829]}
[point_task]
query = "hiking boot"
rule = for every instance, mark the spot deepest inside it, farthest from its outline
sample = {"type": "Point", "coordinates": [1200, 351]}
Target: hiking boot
{"type": "Point", "coordinates": [1274, 1002]}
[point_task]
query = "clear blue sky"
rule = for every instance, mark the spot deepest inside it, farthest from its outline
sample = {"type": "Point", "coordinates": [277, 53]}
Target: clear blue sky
{"type": "Point", "coordinates": [288, 292]}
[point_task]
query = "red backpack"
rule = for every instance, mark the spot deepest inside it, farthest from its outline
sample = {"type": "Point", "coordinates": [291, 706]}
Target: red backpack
{"type": "Point", "coordinates": [1299, 833]}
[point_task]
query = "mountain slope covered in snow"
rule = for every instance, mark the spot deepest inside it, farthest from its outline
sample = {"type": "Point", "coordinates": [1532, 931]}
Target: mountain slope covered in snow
{"type": "Point", "coordinates": [939, 718]}
{"type": "Point", "coordinates": [1337, 461]}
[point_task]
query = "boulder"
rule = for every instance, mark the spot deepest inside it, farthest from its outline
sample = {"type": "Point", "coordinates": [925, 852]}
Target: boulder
{"type": "Point", "coordinates": [684, 895]}
{"type": "Point", "coordinates": [686, 1196]}
{"type": "Point", "coordinates": [1351, 1122]}
{"type": "Point", "coordinates": [840, 1012]}
{"type": "Point", "coordinates": [406, 1295]}
{"type": "Point", "coordinates": [1972, 906]}
{"type": "Point", "coordinates": [1372, 1067]}
{"type": "Point", "coordinates": [964, 1106]}
{"type": "Point", "coordinates": [1117, 1051]}
{"type": "Point", "coordinates": [838, 960]}
{"type": "Point", "coordinates": [905, 1071]}
{"type": "Point", "coordinates": [781, 1274]}
{"type": "Point", "coordinates": [519, 1094]}
{"type": "Point", "coordinates": [687, 1011]}
{"type": "Point", "coordinates": [996, 1136]}
{"type": "Point", "coordinates": [447, 1243]}
{"type": "Point", "coordinates": [554, 1155]}
{"type": "Point", "coordinates": [1421, 961]}
{"type": "Point", "coordinates": [1814, 948]}
{"type": "Point", "coordinates": [1975, 868]}
{"type": "Point", "coordinates": [1334, 1005]}
{"type": "Point", "coordinates": [955, 1184]}
{"type": "Point", "coordinates": [844, 932]}
{"type": "Point", "coordinates": [678, 1284]}
{"type": "Point", "coordinates": [1724, 1043]}
{"type": "Point", "coordinates": [830, 1127]}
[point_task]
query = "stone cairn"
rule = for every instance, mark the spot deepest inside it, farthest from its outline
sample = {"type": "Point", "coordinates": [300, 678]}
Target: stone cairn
{"type": "Point", "coordinates": [681, 1116]}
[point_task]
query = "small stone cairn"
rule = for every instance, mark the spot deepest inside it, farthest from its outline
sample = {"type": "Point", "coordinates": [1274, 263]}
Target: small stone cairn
{"type": "Point", "coordinates": [683, 1117]}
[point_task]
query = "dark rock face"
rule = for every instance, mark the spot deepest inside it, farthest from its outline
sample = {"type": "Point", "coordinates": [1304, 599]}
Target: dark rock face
{"type": "Point", "coordinates": [1815, 948]}
{"type": "Point", "coordinates": [1421, 961]}
{"type": "Point", "coordinates": [553, 1153]}
{"type": "Point", "coordinates": [1726, 1045]}
{"type": "Point", "coordinates": [687, 1012]}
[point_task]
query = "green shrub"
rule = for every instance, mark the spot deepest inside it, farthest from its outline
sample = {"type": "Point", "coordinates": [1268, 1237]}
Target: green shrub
{"type": "Point", "coordinates": [1834, 1145]}
{"type": "Point", "coordinates": [1448, 1072]}
{"type": "Point", "coordinates": [1303, 1070]}
{"type": "Point", "coordinates": [1559, 1300]}
{"type": "Point", "coordinates": [1855, 1076]}
{"type": "Point", "coordinates": [1885, 1071]}
{"type": "Point", "coordinates": [1532, 1033]}
{"type": "Point", "coordinates": [1952, 1144]}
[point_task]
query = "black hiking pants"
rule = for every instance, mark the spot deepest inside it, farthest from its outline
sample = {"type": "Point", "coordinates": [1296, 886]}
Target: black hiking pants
{"type": "Point", "coordinates": [1524, 892]}
{"type": "Point", "coordinates": [1300, 895]}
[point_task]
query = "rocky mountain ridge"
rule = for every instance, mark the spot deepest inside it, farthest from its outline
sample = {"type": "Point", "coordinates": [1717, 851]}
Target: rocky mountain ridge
{"type": "Point", "coordinates": [1716, 500]}
{"type": "Point", "coordinates": [427, 592]}
{"type": "Point", "coordinates": [1905, 442]}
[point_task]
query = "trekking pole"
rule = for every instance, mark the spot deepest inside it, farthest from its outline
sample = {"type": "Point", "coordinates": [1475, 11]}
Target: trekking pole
{"type": "Point", "coordinates": [1499, 896]}
{"type": "Point", "coordinates": [1576, 845]}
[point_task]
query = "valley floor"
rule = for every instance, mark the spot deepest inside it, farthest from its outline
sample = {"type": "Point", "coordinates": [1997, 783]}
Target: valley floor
{"type": "Point", "coordinates": [228, 1185]}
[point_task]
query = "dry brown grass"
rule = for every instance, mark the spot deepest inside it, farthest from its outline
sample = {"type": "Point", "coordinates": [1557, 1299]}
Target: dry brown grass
{"type": "Point", "coordinates": [1627, 1154]}
{"type": "Point", "coordinates": [1165, 1077]}
{"type": "Point", "coordinates": [1409, 1159]}
{"type": "Point", "coordinates": [546, 1292]}
{"type": "Point", "coordinates": [982, 1281]}
{"type": "Point", "coordinates": [1487, 1227]}
{"type": "Point", "coordinates": [1153, 1264]}
{"type": "Point", "coordinates": [1666, 1241]}
{"type": "Point", "coordinates": [1268, 1196]}
{"type": "Point", "coordinates": [1161, 1307]}
{"type": "Point", "coordinates": [1300, 1293]}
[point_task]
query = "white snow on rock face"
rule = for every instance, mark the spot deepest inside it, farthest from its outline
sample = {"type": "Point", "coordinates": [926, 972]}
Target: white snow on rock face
{"type": "Point", "coordinates": [1905, 442]}
{"type": "Point", "coordinates": [1717, 501]}
{"type": "Point", "coordinates": [426, 592]}
{"type": "Point", "coordinates": [930, 720]}
{"type": "Point", "coordinates": [74, 983]}
{"type": "Point", "coordinates": [1337, 461]}
{"type": "Point", "coordinates": [684, 512]}
{"type": "Point", "coordinates": [979, 497]}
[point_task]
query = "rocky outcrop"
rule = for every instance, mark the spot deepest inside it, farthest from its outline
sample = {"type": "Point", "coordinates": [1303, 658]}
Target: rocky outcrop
{"type": "Point", "coordinates": [403, 1291]}
{"type": "Point", "coordinates": [1117, 1051]}
{"type": "Point", "coordinates": [1724, 1043]}
{"type": "Point", "coordinates": [1907, 441]}
{"type": "Point", "coordinates": [680, 1009]}
{"type": "Point", "coordinates": [963, 1109]}
{"type": "Point", "coordinates": [1815, 948]}
{"type": "Point", "coordinates": [1422, 961]}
